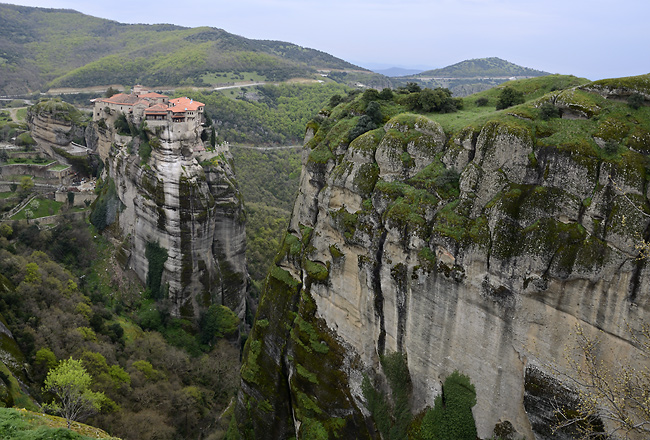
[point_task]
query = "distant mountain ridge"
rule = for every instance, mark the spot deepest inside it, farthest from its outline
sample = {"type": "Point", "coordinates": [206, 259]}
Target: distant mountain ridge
{"type": "Point", "coordinates": [42, 48]}
{"type": "Point", "coordinates": [482, 68]}
{"type": "Point", "coordinates": [397, 71]}
{"type": "Point", "coordinates": [470, 76]}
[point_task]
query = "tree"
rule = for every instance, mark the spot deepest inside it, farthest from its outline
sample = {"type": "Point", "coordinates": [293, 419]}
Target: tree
{"type": "Point", "coordinates": [617, 395]}
{"type": "Point", "coordinates": [26, 185]}
{"type": "Point", "coordinates": [335, 100]}
{"type": "Point", "coordinates": [386, 94]}
{"type": "Point", "coordinates": [451, 417]}
{"type": "Point", "coordinates": [373, 111]}
{"type": "Point", "coordinates": [110, 92]}
{"type": "Point", "coordinates": [6, 231]}
{"type": "Point", "coordinates": [509, 97]}
{"type": "Point", "coordinates": [218, 321]}
{"type": "Point", "coordinates": [70, 383]}
{"type": "Point", "coordinates": [363, 125]}
{"type": "Point", "coordinates": [413, 87]}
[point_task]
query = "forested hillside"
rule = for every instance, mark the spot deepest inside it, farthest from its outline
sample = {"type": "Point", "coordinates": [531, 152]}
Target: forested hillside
{"type": "Point", "coordinates": [43, 48]}
{"type": "Point", "coordinates": [266, 114]}
{"type": "Point", "coordinates": [268, 181]}
{"type": "Point", "coordinates": [65, 295]}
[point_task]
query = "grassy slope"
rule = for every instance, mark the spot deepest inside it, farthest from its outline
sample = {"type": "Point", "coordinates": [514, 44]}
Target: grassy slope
{"type": "Point", "coordinates": [67, 48]}
{"type": "Point", "coordinates": [20, 424]}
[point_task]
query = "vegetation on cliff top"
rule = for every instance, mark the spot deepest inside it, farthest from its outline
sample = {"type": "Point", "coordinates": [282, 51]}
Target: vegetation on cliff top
{"type": "Point", "coordinates": [20, 424]}
{"type": "Point", "coordinates": [557, 117]}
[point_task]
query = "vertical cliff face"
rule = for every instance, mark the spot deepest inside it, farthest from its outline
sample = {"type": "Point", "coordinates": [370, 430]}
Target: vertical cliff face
{"type": "Point", "coordinates": [178, 213]}
{"type": "Point", "coordinates": [12, 364]}
{"type": "Point", "coordinates": [477, 250]}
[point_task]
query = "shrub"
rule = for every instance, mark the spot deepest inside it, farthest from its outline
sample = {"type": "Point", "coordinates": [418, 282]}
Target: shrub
{"type": "Point", "coordinates": [610, 148]}
{"type": "Point", "coordinates": [451, 416]}
{"type": "Point", "coordinates": [548, 111]}
{"type": "Point", "coordinates": [365, 124]}
{"type": "Point", "coordinates": [635, 101]}
{"type": "Point", "coordinates": [509, 97]}
{"type": "Point", "coordinates": [481, 102]}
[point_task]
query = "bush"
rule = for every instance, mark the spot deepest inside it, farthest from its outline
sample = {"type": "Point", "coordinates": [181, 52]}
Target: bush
{"type": "Point", "coordinates": [509, 97]}
{"type": "Point", "coordinates": [451, 416]}
{"type": "Point", "coordinates": [365, 124]}
{"type": "Point", "coordinates": [548, 111]}
{"type": "Point", "coordinates": [481, 102]}
{"type": "Point", "coordinates": [636, 101]}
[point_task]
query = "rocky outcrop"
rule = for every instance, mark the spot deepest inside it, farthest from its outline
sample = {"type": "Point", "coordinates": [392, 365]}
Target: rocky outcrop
{"type": "Point", "coordinates": [478, 252]}
{"type": "Point", "coordinates": [54, 123]}
{"type": "Point", "coordinates": [184, 220]}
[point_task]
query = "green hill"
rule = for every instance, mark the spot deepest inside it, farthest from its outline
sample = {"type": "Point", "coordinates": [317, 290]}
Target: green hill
{"type": "Point", "coordinates": [44, 48]}
{"type": "Point", "coordinates": [482, 68]}
{"type": "Point", "coordinates": [470, 76]}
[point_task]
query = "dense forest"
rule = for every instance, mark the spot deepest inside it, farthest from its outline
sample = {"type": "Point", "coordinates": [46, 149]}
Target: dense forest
{"type": "Point", "coordinates": [65, 295]}
{"type": "Point", "coordinates": [264, 115]}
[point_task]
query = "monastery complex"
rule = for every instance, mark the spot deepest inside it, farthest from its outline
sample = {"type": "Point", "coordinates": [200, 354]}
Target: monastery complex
{"type": "Point", "coordinates": [156, 109]}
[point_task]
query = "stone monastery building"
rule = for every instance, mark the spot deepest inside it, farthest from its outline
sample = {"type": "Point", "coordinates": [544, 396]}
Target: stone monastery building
{"type": "Point", "coordinates": [155, 108]}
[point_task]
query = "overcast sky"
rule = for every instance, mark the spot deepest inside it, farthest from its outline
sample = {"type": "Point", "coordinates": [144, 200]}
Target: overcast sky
{"type": "Point", "coordinates": [589, 38]}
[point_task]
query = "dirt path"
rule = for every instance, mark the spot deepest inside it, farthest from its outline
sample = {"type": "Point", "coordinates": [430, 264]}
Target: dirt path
{"type": "Point", "coordinates": [13, 112]}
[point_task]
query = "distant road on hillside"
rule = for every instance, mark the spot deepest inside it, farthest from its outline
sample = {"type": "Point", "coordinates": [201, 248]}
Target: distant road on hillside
{"type": "Point", "coordinates": [237, 86]}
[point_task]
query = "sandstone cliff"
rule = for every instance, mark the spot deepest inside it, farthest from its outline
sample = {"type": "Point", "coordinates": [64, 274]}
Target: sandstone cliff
{"type": "Point", "coordinates": [54, 123]}
{"type": "Point", "coordinates": [184, 220]}
{"type": "Point", "coordinates": [475, 249]}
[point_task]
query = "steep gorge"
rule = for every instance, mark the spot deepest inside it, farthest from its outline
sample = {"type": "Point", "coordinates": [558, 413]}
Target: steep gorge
{"type": "Point", "coordinates": [477, 250]}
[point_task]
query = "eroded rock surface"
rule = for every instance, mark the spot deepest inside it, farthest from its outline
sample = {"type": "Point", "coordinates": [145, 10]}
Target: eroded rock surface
{"type": "Point", "coordinates": [191, 210]}
{"type": "Point", "coordinates": [478, 253]}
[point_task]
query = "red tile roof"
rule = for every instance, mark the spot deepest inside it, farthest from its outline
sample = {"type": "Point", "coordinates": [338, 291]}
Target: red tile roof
{"type": "Point", "coordinates": [181, 105]}
{"type": "Point", "coordinates": [157, 109]}
{"type": "Point", "coordinates": [121, 99]}
{"type": "Point", "coordinates": [152, 95]}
